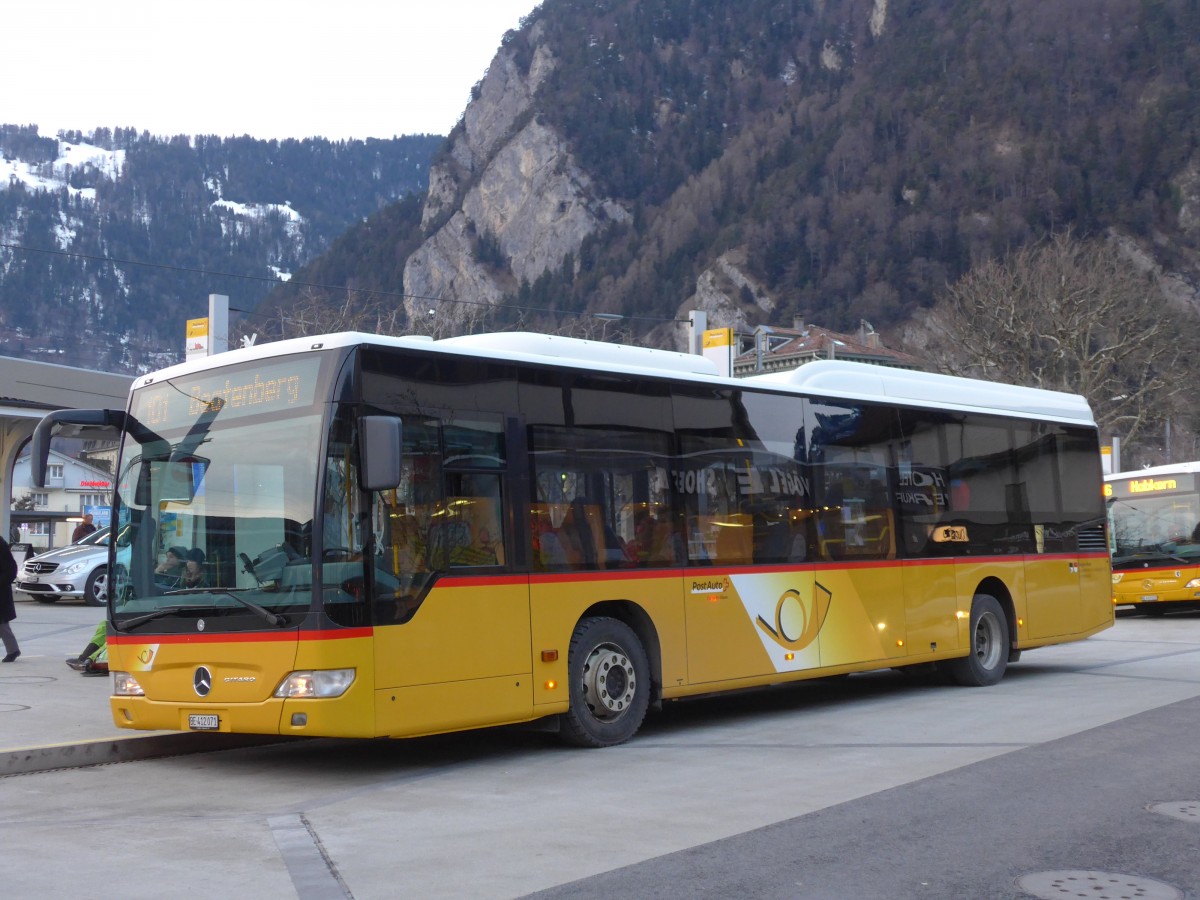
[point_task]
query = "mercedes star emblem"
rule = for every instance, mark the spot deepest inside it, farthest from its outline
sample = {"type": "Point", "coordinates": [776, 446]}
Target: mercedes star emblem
{"type": "Point", "coordinates": [202, 682]}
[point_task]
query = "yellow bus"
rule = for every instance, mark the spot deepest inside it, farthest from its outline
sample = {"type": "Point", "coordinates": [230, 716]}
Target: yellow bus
{"type": "Point", "coordinates": [400, 537]}
{"type": "Point", "coordinates": [1154, 533]}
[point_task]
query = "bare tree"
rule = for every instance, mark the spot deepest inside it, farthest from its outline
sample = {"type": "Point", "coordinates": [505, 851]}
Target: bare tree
{"type": "Point", "coordinates": [1070, 315]}
{"type": "Point", "coordinates": [449, 318]}
{"type": "Point", "coordinates": [316, 312]}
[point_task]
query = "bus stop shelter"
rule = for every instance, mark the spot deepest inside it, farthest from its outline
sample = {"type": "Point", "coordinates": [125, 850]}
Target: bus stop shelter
{"type": "Point", "coordinates": [29, 390]}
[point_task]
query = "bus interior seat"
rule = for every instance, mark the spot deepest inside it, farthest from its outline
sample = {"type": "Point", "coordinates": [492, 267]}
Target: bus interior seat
{"type": "Point", "coordinates": [735, 538]}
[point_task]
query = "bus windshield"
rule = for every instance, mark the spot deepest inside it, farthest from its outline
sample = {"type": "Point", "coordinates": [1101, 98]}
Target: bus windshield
{"type": "Point", "coordinates": [215, 501]}
{"type": "Point", "coordinates": [1145, 527]}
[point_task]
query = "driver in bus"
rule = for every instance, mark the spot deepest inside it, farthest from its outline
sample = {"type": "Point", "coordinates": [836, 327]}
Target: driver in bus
{"type": "Point", "coordinates": [174, 564]}
{"type": "Point", "coordinates": [193, 575]}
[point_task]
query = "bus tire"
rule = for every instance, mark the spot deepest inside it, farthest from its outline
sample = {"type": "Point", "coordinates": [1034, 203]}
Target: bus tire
{"type": "Point", "coordinates": [95, 592]}
{"type": "Point", "coordinates": [988, 643]}
{"type": "Point", "coordinates": [609, 679]}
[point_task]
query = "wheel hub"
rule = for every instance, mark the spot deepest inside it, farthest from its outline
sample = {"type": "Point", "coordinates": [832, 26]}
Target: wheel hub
{"type": "Point", "coordinates": [609, 682]}
{"type": "Point", "coordinates": [987, 640]}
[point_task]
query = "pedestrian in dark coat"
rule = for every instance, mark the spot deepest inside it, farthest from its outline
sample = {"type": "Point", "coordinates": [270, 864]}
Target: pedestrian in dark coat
{"type": "Point", "coordinates": [8, 609]}
{"type": "Point", "coordinates": [83, 529]}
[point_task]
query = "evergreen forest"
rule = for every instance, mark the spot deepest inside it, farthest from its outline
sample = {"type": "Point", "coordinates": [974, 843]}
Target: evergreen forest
{"type": "Point", "coordinates": [102, 262]}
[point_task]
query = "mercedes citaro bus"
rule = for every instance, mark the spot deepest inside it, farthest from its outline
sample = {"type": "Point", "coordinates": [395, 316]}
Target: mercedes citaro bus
{"type": "Point", "coordinates": [1154, 532]}
{"type": "Point", "coordinates": [399, 536]}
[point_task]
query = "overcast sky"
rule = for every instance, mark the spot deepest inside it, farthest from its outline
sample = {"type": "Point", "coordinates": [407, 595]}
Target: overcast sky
{"type": "Point", "coordinates": [267, 68]}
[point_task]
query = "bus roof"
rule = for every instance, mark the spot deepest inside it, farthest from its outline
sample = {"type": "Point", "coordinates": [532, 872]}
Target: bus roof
{"type": "Point", "coordinates": [827, 378]}
{"type": "Point", "coordinates": [592, 354]}
{"type": "Point", "coordinates": [861, 380]}
{"type": "Point", "coordinates": [1184, 468]}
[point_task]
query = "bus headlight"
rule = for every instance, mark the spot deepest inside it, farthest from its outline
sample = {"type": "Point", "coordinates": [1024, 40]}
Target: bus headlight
{"type": "Point", "coordinates": [125, 685]}
{"type": "Point", "coordinates": [316, 683]}
{"type": "Point", "coordinates": [1194, 583]}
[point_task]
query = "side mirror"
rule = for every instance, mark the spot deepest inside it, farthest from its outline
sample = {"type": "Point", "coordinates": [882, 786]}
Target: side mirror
{"type": "Point", "coordinates": [178, 480]}
{"type": "Point", "coordinates": [182, 478]}
{"type": "Point", "coordinates": [70, 422]}
{"type": "Point", "coordinates": [382, 439]}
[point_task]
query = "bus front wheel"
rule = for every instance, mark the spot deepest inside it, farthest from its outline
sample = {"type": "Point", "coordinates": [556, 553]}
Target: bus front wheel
{"type": "Point", "coordinates": [609, 679]}
{"type": "Point", "coordinates": [988, 646]}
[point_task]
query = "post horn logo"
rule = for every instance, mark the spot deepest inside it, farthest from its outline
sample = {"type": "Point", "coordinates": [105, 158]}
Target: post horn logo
{"type": "Point", "coordinates": [798, 619]}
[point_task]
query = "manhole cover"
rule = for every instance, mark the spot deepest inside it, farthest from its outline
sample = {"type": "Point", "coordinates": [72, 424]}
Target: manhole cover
{"type": "Point", "coordinates": [1185, 810]}
{"type": "Point", "coordinates": [1096, 885]}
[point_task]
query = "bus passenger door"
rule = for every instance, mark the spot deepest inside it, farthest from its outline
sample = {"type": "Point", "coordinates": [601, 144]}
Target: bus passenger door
{"type": "Point", "coordinates": [745, 624]}
{"type": "Point", "coordinates": [1052, 595]}
{"type": "Point", "coordinates": [931, 606]}
{"type": "Point", "coordinates": [462, 660]}
{"type": "Point", "coordinates": [451, 618]}
{"type": "Point", "coordinates": [866, 621]}
{"type": "Point", "coordinates": [1095, 591]}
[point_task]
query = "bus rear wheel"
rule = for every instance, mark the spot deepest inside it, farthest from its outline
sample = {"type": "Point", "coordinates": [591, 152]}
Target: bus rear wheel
{"type": "Point", "coordinates": [987, 658]}
{"type": "Point", "coordinates": [609, 679]}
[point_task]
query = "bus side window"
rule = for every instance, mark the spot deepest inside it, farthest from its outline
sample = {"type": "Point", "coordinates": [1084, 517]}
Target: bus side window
{"type": "Point", "coordinates": [473, 533]}
{"type": "Point", "coordinates": [549, 547]}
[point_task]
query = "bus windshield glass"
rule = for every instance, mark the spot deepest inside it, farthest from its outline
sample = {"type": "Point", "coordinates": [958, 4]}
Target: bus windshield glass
{"type": "Point", "coordinates": [1154, 519]}
{"type": "Point", "coordinates": [216, 497]}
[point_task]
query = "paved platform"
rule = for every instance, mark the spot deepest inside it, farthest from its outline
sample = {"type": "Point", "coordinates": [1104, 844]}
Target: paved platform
{"type": "Point", "coordinates": [52, 717]}
{"type": "Point", "coordinates": [876, 786]}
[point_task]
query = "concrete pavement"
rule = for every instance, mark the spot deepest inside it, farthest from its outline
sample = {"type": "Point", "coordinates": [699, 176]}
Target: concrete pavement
{"type": "Point", "coordinates": [872, 786]}
{"type": "Point", "coordinates": [52, 717]}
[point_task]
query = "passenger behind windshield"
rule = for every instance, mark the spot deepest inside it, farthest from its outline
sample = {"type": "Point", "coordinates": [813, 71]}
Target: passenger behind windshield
{"type": "Point", "coordinates": [171, 569]}
{"type": "Point", "coordinates": [194, 575]}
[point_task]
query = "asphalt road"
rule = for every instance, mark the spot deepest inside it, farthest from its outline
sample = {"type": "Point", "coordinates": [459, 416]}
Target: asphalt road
{"type": "Point", "coordinates": [1075, 776]}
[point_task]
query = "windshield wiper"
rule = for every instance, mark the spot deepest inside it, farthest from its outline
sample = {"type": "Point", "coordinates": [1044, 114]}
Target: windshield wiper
{"type": "Point", "coordinates": [1146, 556]}
{"type": "Point", "coordinates": [271, 618]}
{"type": "Point", "coordinates": [130, 624]}
{"type": "Point", "coordinates": [1163, 552]}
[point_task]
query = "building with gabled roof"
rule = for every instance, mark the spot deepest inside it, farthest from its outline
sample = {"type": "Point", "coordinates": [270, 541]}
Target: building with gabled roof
{"type": "Point", "coordinates": [32, 389]}
{"type": "Point", "coordinates": [777, 349]}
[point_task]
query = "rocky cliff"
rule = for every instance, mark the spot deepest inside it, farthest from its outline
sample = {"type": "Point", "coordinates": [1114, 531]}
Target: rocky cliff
{"type": "Point", "coordinates": [839, 160]}
{"type": "Point", "coordinates": [507, 180]}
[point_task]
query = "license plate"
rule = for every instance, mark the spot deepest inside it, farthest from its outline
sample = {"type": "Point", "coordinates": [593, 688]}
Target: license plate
{"type": "Point", "coordinates": [33, 579]}
{"type": "Point", "coordinates": [1149, 598]}
{"type": "Point", "coordinates": [204, 722]}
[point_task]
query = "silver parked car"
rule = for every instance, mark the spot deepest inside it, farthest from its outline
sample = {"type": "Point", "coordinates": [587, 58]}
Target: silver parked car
{"type": "Point", "coordinates": [69, 573]}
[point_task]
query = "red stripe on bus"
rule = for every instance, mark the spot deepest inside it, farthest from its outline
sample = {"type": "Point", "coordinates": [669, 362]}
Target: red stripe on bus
{"type": "Point", "coordinates": [244, 637]}
{"type": "Point", "coordinates": [1149, 570]}
{"type": "Point", "coordinates": [480, 580]}
{"type": "Point", "coordinates": [822, 565]}
{"type": "Point", "coordinates": [617, 575]}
